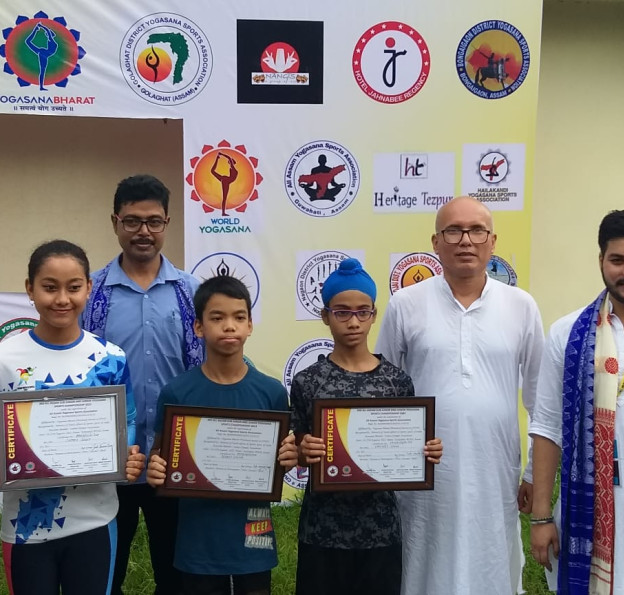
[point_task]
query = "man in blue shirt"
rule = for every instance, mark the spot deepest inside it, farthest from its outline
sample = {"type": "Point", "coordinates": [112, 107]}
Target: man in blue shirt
{"type": "Point", "coordinates": [141, 302]}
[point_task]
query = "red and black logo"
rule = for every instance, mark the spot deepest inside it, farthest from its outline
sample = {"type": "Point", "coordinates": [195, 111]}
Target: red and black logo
{"type": "Point", "coordinates": [280, 61]}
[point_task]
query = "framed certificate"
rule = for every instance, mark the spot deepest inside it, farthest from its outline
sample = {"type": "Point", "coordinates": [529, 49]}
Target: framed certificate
{"type": "Point", "coordinates": [64, 436]}
{"type": "Point", "coordinates": [223, 453]}
{"type": "Point", "coordinates": [373, 443]}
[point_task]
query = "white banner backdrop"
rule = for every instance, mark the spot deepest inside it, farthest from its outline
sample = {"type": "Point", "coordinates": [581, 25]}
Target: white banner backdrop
{"type": "Point", "coordinates": [309, 128]}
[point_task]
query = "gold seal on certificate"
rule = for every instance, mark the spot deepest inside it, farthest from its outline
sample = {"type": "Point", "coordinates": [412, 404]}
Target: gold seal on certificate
{"type": "Point", "coordinates": [65, 436]}
{"type": "Point", "coordinates": [373, 444]}
{"type": "Point", "coordinates": [223, 453]}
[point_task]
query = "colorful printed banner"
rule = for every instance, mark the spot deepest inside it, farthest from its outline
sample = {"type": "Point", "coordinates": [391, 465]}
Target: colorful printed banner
{"type": "Point", "coordinates": [332, 128]}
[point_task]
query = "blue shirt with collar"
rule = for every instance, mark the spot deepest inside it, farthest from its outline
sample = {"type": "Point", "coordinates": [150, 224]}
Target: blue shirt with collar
{"type": "Point", "coordinates": [147, 325]}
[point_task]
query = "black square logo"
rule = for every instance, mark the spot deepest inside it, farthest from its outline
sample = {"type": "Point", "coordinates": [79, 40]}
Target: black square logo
{"type": "Point", "coordinates": [280, 61]}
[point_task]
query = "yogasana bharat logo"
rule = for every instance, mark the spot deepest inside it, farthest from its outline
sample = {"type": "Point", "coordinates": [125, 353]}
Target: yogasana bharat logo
{"type": "Point", "coordinates": [492, 59]}
{"type": "Point", "coordinates": [224, 178]}
{"type": "Point", "coordinates": [166, 58]}
{"type": "Point", "coordinates": [41, 51]}
{"type": "Point", "coordinates": [414, 268]}
{"type": "Point", "coordinates": [391, 62]}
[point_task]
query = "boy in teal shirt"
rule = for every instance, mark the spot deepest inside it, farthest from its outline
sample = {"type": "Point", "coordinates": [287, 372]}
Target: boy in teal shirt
{"type": "Point", "coordinates": [217, 541]}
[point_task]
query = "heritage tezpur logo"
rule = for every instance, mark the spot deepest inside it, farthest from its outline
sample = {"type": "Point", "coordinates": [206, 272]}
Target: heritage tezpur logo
{"type": "Point", "coordinates": [224, 180]}
{"type": "Point", "coordinates": [166, 58]}
{"type": "Point", "coordinates": [42, 52]}
{"type": "Point", "coordinates": [492, 59]}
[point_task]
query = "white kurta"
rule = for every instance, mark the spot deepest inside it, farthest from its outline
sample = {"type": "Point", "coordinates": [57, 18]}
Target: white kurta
{"type": "Point", "coordinates": [547, 422]}
{"type": "Point", "coordinates": [462, 538]}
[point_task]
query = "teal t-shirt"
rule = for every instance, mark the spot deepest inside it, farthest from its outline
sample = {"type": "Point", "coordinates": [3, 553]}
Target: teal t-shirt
{"type": "Point", "coordinates": [224, 536]}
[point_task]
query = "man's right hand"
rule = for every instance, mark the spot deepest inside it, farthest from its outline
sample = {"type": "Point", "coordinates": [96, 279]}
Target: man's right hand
{"type": "Point", "coordinates": [542, 537]}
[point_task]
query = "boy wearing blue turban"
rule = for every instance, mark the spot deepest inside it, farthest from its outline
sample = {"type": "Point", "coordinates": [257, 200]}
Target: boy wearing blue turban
{"type": "Point", "coordinates": [349, 542]}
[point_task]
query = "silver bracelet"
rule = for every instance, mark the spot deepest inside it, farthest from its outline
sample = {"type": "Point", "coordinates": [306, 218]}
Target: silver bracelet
{"type": "Point", "coordinates": [542, 521]}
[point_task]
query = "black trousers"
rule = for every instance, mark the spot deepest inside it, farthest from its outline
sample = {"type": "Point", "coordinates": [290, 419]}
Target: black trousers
{"type": "Point", "coordinates": [161, 519]}
{"type": "Point", "coordinates": [333, 571]}
{"type": "Point", "coordinates": [258, 583]}
{"type": "Point", "coordinates": [77, 564]}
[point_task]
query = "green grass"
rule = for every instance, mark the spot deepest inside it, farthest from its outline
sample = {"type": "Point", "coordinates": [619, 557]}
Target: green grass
{"type": "Point", "coordinates": [139, 580]}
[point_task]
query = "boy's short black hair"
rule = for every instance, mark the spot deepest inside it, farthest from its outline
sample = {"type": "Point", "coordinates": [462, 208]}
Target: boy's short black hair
{"type": "Point", "coordinates": [138, 188]}
{"type": "Point", "coordinates": [224, 284]}
{"type": "Point", "coordinates": [611, 228]}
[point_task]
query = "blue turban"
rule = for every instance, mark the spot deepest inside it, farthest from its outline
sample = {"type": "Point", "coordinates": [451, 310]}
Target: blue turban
{"type": "Point", "coordinates": [349, 275]}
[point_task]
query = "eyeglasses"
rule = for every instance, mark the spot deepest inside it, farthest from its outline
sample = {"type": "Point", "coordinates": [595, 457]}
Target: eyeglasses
{"type": "Point", "coordinates": [455, 236]}
{"type": "Point", "coordinates": [132, 224]}
{"type": "Point", "coordinates": [346, 315]}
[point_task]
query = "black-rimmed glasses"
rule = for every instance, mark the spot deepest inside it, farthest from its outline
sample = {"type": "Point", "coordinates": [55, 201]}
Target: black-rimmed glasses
{"type": "Point", "coordinates": [133, 224]}
{"type": "Point", "coordinates": [454, 235]}
{"type": "Point", "coordinates": [346, 315]}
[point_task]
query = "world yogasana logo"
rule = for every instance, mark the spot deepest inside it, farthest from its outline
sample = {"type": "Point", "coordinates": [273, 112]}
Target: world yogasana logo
{"type": "Point", "coordinates": [224, 178]}
{"type": "Point", "coordinates": [41, 51]}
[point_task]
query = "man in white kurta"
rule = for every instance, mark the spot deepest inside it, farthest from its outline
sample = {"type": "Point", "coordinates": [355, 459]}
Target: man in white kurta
{"type": "Point", "coordinates": [465, 339]}
{"type": "Point", "coordinates": [546, 425]}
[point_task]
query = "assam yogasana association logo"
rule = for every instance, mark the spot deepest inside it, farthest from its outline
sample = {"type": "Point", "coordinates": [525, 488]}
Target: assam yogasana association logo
{"type": "Point", "coordinates": [492, 59]}
{"type": "Point", "coordinates": [414, 268]}
{"type": "Point", "coordinates": [229, 264]}
{"type": "Point", "coordinates": [224, 181]}
{"type": "Point", "coordinates": [391, 62]}
{"type": "Point", "coordinates": [311, 277]}
{"type": "Point", "coordinates": [322, 178]}
{"type": "Point", "coordinates": [498, 268]}
{"type": "Point", "coordinates": [16, 326]}
{"type": "Point", "coordinates": [305, 355]}
{"type": "Point", "coordinates": [43, 53]}
{"type": "Point", "coordinates": [166, 58]}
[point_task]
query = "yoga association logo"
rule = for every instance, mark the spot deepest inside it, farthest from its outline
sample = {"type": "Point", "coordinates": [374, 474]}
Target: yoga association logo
{"type": "Point", "coordinates": [322, 178]}
{"type": "Point", "coordinates": [305, 355]}
{"type": "Point", "coordinates": [220, 264]}
{"type": "Point", "coordinates": [311, 276]}
{"type": "Point", "coordinates": [492, 59]}
{"type": "Point", "coordinates": [166, 58]}
{"type": "Point", "coordinates": [502, 271]}
{"type": "Point", "coordinates": [224, 180]}
{"type": "Point", "coordinates": [41, 51]}
{"type": "Point", "coordinates": [493, 167]}
{"type": "Point", "coordinates": [16, 326]}
{"type": "Point", "coordinates": [280, 61]}
{"type": "Point", "coordinates": [410, 269]}
{"type": "Point", "coordinates": [391, 62]}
